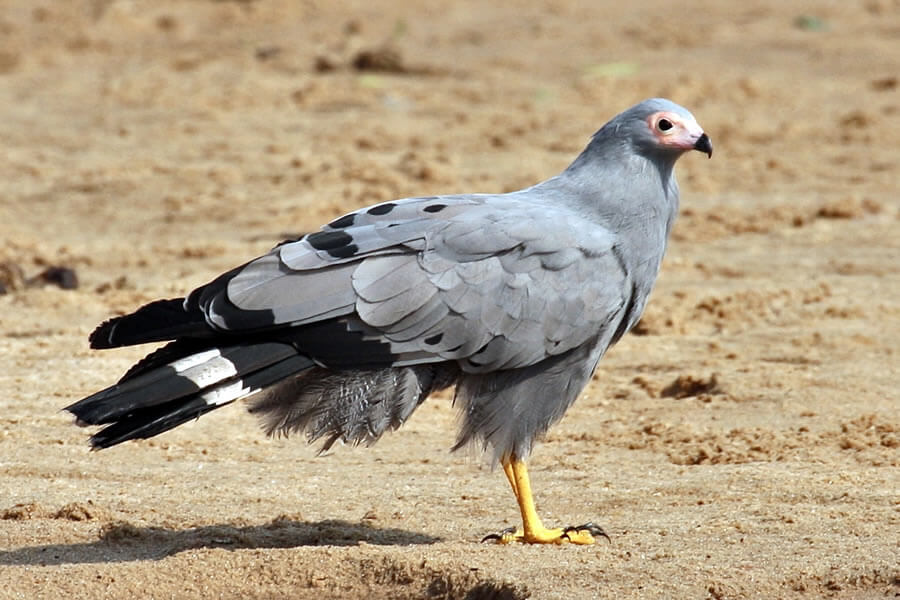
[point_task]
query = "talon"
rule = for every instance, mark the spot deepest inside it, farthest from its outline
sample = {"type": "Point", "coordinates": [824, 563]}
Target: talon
{"type": "Point", "coordinates": [591, 528]}
{"type": "Point", "coordinates": [501, 536]}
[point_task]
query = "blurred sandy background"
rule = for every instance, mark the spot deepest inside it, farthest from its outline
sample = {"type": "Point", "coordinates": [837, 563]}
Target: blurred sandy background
{"type": "Point", "coordinates": [744, 444]}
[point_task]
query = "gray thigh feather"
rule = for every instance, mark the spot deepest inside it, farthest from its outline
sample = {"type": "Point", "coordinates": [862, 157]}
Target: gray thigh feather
{"type": "Point", "coordinates": [355, 406]}
{"type": "Point", "coordinates": [507, 410]}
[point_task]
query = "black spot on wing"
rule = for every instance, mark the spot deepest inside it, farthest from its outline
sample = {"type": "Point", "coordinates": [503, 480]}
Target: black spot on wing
{"type": "Point", "coordinates": [433, 208]}
{"type": "Point", "coordinates": [343, 222]}
{"type": "Point", "coordinates": [472, 360]}
{"type": "Point", "coordinates": [435, 339]}
{"type": "Point", "coordinates": [382, 209]}
{"type": "Point", "coordinates": [329, 240]}
{"type": "Point", "coordinates": [344, 251]}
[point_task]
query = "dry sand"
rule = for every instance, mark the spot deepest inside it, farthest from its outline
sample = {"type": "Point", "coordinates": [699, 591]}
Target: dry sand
{"type": "Point", "coordinates": [745, 443]}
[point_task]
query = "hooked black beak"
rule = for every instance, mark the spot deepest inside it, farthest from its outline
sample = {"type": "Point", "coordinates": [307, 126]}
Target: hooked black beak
{"type": "Point", "coordinates": [704, 145]}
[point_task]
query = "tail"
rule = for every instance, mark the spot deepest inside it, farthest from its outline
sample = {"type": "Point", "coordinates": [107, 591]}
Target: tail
{"type": "Point", "coordinates": [155, 395]}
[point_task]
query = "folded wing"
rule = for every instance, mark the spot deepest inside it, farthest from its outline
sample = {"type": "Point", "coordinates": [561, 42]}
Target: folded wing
{"type": "Point", "coordinates": [492, 282]}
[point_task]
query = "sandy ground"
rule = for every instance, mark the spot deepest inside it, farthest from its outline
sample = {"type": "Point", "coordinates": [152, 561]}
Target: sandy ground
{"type": "Point", "coordinates": [744, 443]}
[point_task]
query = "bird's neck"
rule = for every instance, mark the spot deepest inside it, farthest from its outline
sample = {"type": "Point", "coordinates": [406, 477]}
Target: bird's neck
{"type": "Point", "coordinates": [618, 186]}
{"type": "Point", "coordinates": [635, 198]}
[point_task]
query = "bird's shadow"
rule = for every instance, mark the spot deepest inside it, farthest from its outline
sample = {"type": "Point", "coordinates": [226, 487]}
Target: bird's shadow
{"type": "Point", "coordinates": [125, 542]}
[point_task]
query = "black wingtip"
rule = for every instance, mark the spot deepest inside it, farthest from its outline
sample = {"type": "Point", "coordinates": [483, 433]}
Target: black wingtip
{"type": "Point", "coordinates": [155, 322]}
{"type": "Point", "coordinates": [102, 336]}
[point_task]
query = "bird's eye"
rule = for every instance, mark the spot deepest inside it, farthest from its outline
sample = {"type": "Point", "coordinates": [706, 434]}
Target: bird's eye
{"type": "Point", "coordinates": [664, 125]}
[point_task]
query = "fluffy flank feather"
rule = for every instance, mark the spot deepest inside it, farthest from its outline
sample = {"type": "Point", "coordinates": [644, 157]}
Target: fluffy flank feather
{"type": "Point", "coordinates": [354, 406]}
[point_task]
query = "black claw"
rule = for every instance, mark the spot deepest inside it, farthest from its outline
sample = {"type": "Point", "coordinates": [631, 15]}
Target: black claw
{"type": "Point", "coordinates": [498, 536]}
{"type": "Point", "coordinates": [592, 529]}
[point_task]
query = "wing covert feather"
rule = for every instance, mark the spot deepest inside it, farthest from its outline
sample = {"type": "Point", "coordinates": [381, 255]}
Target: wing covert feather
{"type": "Point", "coordinates": [514, 292]}
{"type": "Point", "coordinates": [490, 281]}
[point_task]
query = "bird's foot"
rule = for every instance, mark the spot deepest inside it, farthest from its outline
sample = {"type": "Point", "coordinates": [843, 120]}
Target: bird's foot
{"type": "Point", "coordinates": [588, 532]}
{"type": "Point", "coordinates": [581, 535]}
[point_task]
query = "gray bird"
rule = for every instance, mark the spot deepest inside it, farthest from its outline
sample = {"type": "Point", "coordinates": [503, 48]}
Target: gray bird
{"type": "Point", "coordinates": [511, 298]}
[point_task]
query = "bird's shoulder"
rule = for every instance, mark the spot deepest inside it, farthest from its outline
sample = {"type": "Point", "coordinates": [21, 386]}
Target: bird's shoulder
{"type": "Point", "coordinates": [462, 227]}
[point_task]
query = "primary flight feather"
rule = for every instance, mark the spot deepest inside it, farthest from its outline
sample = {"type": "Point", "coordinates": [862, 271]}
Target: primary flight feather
{"type": "Point", "coordinates": [511, 298]}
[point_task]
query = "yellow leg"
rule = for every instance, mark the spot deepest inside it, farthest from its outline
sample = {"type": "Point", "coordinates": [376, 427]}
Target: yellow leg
{"type": "Point", "coordinates": [511, 477]}
{"type": "Point", "coordinates": [533, 530]}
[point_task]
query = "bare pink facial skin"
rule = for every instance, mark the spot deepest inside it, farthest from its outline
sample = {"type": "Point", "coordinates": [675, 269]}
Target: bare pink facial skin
{"type": "Point", "coordinates": [675, 131]}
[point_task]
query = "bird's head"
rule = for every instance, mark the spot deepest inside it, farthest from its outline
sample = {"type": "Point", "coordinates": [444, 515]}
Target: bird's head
{"type": "Point", "coordinates": [660, 127]}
